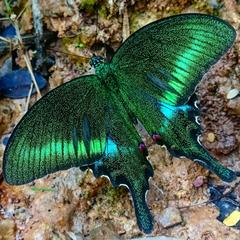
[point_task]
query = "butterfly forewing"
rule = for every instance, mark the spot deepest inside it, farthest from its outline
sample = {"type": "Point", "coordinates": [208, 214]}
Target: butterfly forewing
{"type": "Point", "coordinates": [167, 58]}
{"type": "Point", "coordinates": [52, 135]}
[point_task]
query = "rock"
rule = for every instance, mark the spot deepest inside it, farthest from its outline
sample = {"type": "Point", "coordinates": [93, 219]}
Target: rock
{"type": "Point", "coordinates": [7, 229]}
{"type": "Point", "coordinates": [198, 182]}
{"type": "Point", "coordinates": [171, 216]}
{"type": "Point", "coordinates": [232, 93]}
{"type": "Point", "coordinates": [156, 238]}
{"type": "Point", "coordinates": [211, 137]}
{"type": "Point", "coordinates": [104, 232]}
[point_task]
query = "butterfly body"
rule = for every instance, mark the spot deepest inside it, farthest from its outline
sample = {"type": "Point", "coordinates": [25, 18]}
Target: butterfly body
{"type": "Point", "coordinates": [89, 121]}
{"type": "Point", "coordinates": [104, 74]}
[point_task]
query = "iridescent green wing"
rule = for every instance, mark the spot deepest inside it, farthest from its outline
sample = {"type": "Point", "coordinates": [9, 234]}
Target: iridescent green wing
{"type": "Point", "coordinates": [158, 68]}
{"type": "Point", "coordinates": [167, 58]}
{"type": "Point", "coordinates": [65, 128]}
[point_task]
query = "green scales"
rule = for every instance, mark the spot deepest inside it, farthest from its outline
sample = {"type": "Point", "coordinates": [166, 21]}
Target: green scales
{"type": "Point", "coordinates": [89, 121]}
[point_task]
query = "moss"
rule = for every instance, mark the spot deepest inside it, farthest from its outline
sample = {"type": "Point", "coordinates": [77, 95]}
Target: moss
{"type": "Point", "coordinates": [74, 43]}
{"type": "Point", "coordinates": [103, 11]}
{"type": "Point", "coordinates": [113, 194]}
{"type": "Point", "coordinates": [88, 5]}
{"type": "Point", "coordinates": [80, 45]}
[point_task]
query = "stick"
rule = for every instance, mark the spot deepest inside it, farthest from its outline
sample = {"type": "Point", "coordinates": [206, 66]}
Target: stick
{"type": "Point", "coordinates": [26, 59]}
{"type": "Point", "coordinates": [126, 29]}
{"type": "Point", "coordinates": [28, 98]}
{"type": "Point", "coordinates": [29, 66]}
{"type": "Point", "coordinates": [5, 39]}
{"type": "Point", "coordinates": [38, 27]}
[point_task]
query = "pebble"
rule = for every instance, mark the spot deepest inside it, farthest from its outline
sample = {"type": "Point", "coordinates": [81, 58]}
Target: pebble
{"type": "Point", "coordinates": [211, 137]}
{"type": "Point", "coordinates": [156, 238]}
{"type": "Point", "coordinates": [232, 93]}
{"type": "Point", "coordinates": [104, 232]}
{"type": "Point", "coordinates": [198, 182]}
{"type": "Point", "coordinates": [7, 229]}
{"type": "Point", "coordinates": [170, 217]}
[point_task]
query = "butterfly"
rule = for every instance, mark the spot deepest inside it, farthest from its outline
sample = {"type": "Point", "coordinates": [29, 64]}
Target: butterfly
{"type": "Point", "coordinates": [90, 121]}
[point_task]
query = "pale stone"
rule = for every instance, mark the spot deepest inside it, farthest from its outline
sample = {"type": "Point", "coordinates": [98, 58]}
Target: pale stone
{"type": "Point", "coordinates": [170, 217]}
{"type": "Point", "coordinates": [232, 93]}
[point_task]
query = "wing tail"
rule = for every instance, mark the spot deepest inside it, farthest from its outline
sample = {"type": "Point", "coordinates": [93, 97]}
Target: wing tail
{"type": "Point", "coordinates": [180, 133]}
{"type": "Point", "coordinates": [216, 167]}
{"type": "Point", "coordinates": [144, 217]}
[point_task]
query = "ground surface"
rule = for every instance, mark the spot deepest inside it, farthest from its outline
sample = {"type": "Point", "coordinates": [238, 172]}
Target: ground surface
{"type": "Point", "coordinates": [75, 205]}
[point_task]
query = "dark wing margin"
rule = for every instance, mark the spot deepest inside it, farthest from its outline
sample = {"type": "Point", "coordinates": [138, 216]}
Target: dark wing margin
{"type": "Point", "coordinates": [168, 57]}
{"type": "Point", "coordinates": [65, 128]}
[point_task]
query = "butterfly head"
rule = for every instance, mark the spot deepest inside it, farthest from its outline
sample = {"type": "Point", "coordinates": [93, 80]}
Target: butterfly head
{"type": "Point", "coordinates": [96, 61]}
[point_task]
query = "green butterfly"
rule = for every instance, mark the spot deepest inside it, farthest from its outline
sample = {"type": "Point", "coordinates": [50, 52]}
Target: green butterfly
{"type": "Point", "coordinates": [89, 121]}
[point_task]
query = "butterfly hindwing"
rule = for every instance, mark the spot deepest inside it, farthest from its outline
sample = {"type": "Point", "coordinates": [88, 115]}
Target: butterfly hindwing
{"type": "Point", "coordinates": [158, 68]}
{"type": "Point", "coordinates": [65, 128]}
{"type": "Point", "coordinates": [124, 163]}
{"type": "Point", "coordinates": [180, 133]}
{"type": "Point", "coordinates": [128, 166]}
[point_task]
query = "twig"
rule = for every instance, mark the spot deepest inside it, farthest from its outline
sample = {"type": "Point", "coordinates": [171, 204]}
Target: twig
{"type": "Point", "coordinates": [5, 39]}
{"type": "Point", "coordinates": [126, 30]}
{"type": "Point", "coordinates": [28, 98]}
{"type": "Point", "coordinates": [37, 17]}
{"type": "Point", "coordinates": [22, 11]}
{"type": "Point", "coordinates": [13, 19]}
{"type": "Point", "coordinates": [67, 53]}
{"type": "Point", "coordinates": [27, 39]}
{"type": "Point", "coordinates": [26, 58]}
{"type": "Point", "coordinates": [4, 19]}
{"type": "Point", "coordinates": [29, 66]}
{"type": "Point", "coordinates": [38, 27]}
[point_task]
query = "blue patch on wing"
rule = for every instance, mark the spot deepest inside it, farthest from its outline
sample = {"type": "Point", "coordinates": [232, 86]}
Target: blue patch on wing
{"type": "Point", "coordinates": [170, 111]}
{"type": "Point", "coordinates": [111, 148]}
